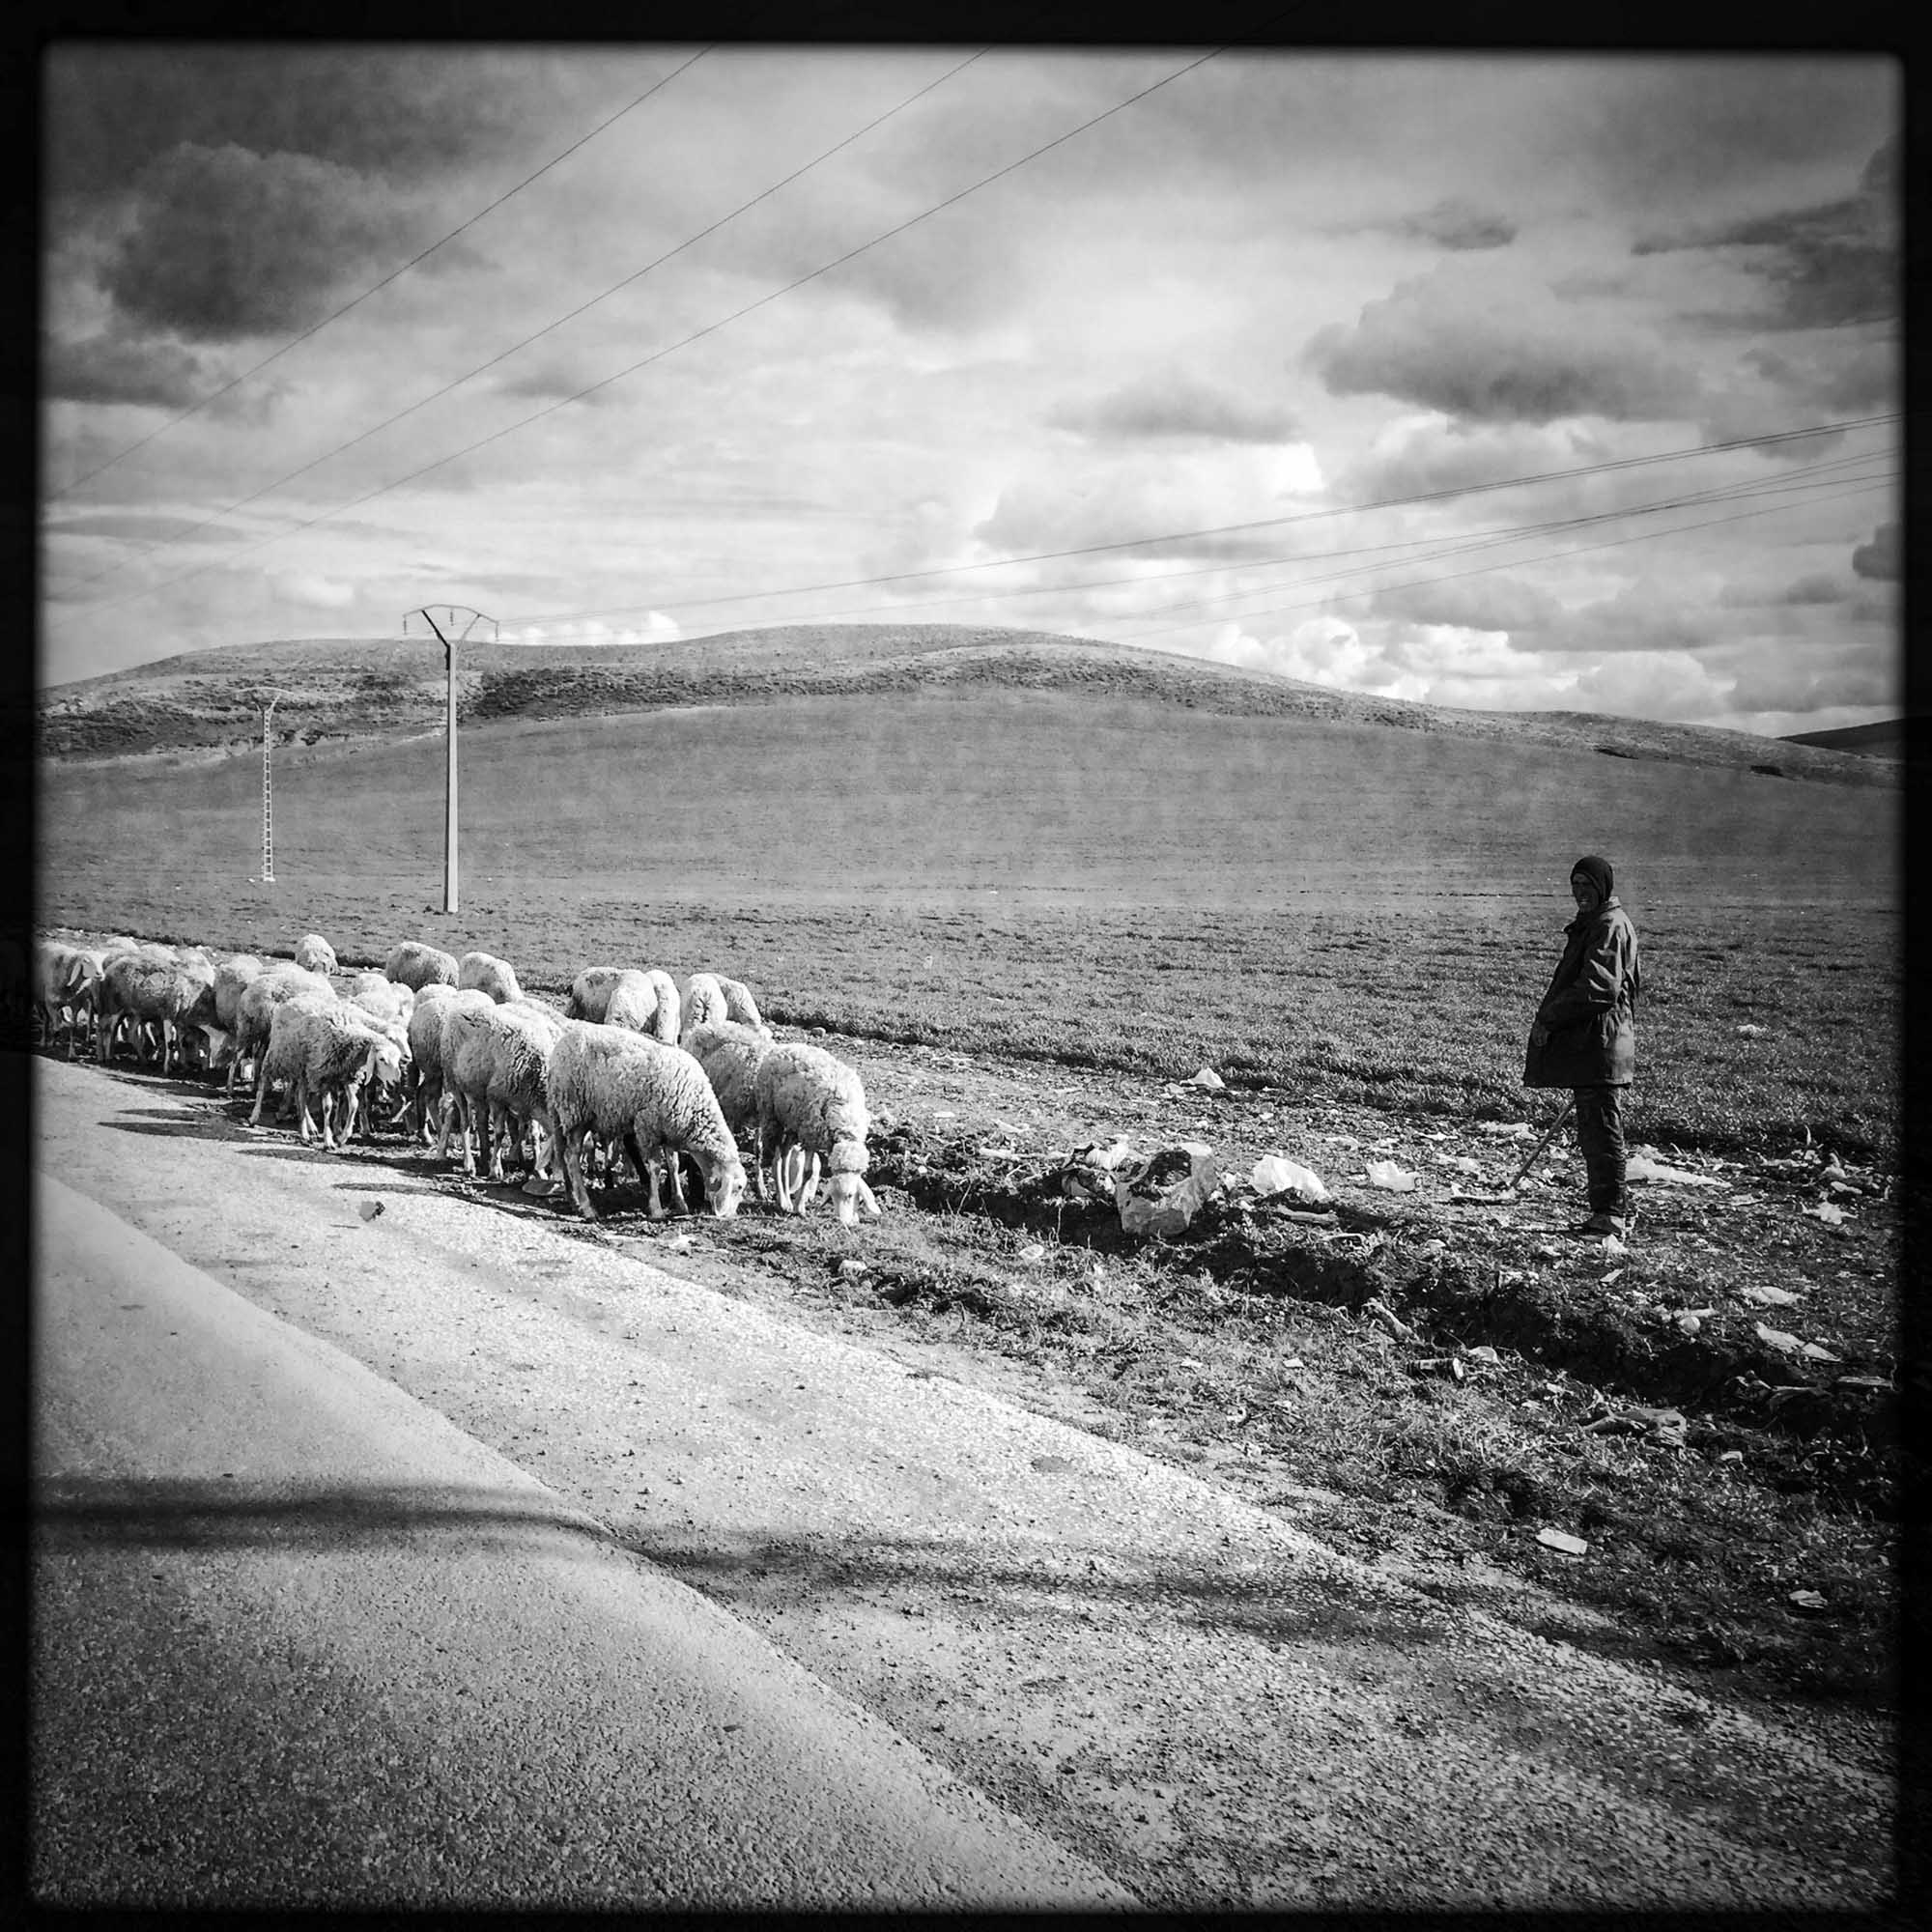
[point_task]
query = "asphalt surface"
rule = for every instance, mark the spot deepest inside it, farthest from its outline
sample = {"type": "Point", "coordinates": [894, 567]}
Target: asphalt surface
{"type": "Point", "coordinates": [1162, 1684]}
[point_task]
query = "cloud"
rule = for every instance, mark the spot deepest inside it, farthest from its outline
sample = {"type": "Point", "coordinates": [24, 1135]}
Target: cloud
{"type": "Point", "coordinates": [1471, 604]}
{"type": "Point", "coordinates": [110, 367]}
{"type": "Point", "coordinates": [1457, 342]}
{"type": "Point", "coordinates": [1455, 223]}
{"type": "Point", "coordinates": [1652, 684]}
{"type": "Point", "coordinates": [1415, 456]}
{"type": "Point", "coordinates": [313, 591]}
{"type": "Point", "coordinates": [225, 243]}
{"type": "Point", "coordinates": [1819, 588]}
{"type": "Point", "coordinates": [1879, 559]}
{"type": "Point", "coordinates": [145, 527]}
{"type": "Point", "coordinates": [1173, 404]}
{"type": "Point", "coordinates": [1322, 650]}
{"type": "Point", "coordinates": [1827, 266]}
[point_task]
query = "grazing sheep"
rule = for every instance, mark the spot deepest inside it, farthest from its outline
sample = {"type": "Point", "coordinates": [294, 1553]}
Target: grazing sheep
{"type": "Point", "coordinates": [730, 1054]}
{"type": "Point", "coordinates": [460, 1023]}
{"type": "Point", "coordinates": [608, 1081]}
{"type": "Point", "coordinates": [284, 1052]}
{"type": "Point", "coordinates": [330, 1051]}
{"type": "Point", "coordinates": [377, 993]}
{"type": "Point", "coordinates": [140, 988]}
{"type": "Point", "coordinates": [485, 972]}
{"type": "Point", "coordinates": [493, 1070]}
{"type": "Point", "coordinates": [811, 1103]}
{"type": "Point", "coordinates": [425, 1033]}
{"type": "Point", "coordinates": [415, 964]}
{"type": "Point", "coordinates": [646, 1003]}
{"type": "Point", "coordinates": [262, 994]}
{"type": "Point", "coordinates": [66, 979]}
{"type": "Point", "coordinates": [314, 954]}
{"type": "Point", "coordinates": [590, 992]}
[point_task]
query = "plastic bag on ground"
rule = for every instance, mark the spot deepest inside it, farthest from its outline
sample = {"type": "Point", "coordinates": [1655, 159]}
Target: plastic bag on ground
{"type": "Point", "coordinates": [1161, 1195]}
{"type": "Point", "coordinates": [1276, 1174]}
{"type": "Point", "coordinates": [1394, 1179]}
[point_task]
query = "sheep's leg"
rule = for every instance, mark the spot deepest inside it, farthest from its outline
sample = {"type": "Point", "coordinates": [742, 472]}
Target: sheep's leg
{"type": "Point", "coordinates": [501, 1132]}
{"type": "Point", "coordinates": [811, 1181]}
{"type": "Point", "coordinates": [570, 1142]}
{"type": "Point", "coordinates": [261, 1087]}
{"type": "Point", "coordinates": [780, 1171]}
{"type": "Point", "coordinates": [675, 1170]}
{"type": "Point", "coordinates": [765, 1154]}
{"type": "Point", "coordinates": [447, 1104]}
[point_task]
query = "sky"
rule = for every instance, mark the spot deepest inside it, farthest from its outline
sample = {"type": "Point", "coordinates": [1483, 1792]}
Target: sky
{"type": "Point", "coordinates": [1396, 372]}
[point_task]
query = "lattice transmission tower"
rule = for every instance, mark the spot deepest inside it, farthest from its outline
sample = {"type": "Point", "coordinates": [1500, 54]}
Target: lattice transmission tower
{"type": "Point", "coordinates": [268, 794]}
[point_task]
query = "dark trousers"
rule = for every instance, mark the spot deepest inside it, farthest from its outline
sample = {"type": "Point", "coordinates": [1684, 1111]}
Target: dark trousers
{"type": "Point", "coordinates": [1600, 1133]}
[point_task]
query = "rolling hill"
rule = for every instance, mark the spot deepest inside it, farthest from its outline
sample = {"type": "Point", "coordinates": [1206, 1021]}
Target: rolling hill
{"type": "Point", "coordinates": [391, 688]}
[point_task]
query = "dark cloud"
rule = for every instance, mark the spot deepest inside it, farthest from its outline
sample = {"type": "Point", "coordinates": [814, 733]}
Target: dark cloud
{"type": "Point", "coordinates": [1176, 405]}
{"type": "Point", "coordinates": [1450, 342]}
{"type": "Point", "coordinates": [1828, 265]}
{"type": "Point", "coordinates": [1436, 456]}
{"type": "Point", "coordinates": [132, 527]}
{"type": "Point", "coordinates": [1803, 592]}
{"type": "Point", "coordinates": [1880, 557]}
{"type": "Point", "coordinates": [111, 368]}
{"type": "Point", "coordinates": [407, 114]}
{"type": "Point", "coordinates": [1776, 681]}
{"type": "Point", "coordinates": [227, 243]}
{"type": "Point", "coordinates": [1457, 224]}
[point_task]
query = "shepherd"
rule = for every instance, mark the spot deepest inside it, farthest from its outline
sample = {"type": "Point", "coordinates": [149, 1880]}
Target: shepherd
{"type": "Point", "coordinates": [1584, 1036]}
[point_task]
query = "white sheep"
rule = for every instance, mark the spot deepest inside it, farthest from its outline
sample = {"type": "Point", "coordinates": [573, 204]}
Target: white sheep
{"type": "Point", "coordinates": [709, 997]}
{"type": "Point", "coordinates": [458, 1021]}
{"type": "Point", "coordinates": [608, 1081]}
{"type": "Point", "coordinates": [811, 1103]}
{"type": "Point", "coordinates": [378, 994]}
{"type": "Point", "coordinates": [66, 979]}
{"type": "Point", "coordinates": [330, 1051]}
{"type": "Point", "coordinates": [590, 992]}
{"type": "Point", "coordinates": [646, 1003]}
{"type": "Point", "coordinates": [139, 986]}
{"type": "Point", "coordinates": [314, 954]}
{"type": "Point", "coordinates": [253, 1011]}
{"type": "Point", "coordinates": [425, 1036]}
{"type": "Point", "coordinates": [494, 1070]}
{"type": "Point", "coordinates": [730, 1054]}
{"type": "Point", "coordinates": [485, 972]}
{"type": "Point", "coordinates": [415, 964]}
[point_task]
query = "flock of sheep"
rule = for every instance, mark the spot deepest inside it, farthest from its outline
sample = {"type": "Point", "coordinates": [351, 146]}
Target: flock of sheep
{"type": "Point", "coordinates": [632, 1067]}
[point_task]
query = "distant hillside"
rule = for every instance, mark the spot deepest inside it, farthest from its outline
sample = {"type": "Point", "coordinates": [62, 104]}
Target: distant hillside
{"type": "Point", "coordinates": [1890, 738]}
{"type": "Point", "coordinates": [367, 688]}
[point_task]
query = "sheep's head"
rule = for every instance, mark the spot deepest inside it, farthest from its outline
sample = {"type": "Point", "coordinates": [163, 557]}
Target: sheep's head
{"type": "Point", "coordinates": [849, 1193]}
{"type": "Point", "coordinates": [384, 1062]}
{"type": "Point", "coordinates": [723, 1183]}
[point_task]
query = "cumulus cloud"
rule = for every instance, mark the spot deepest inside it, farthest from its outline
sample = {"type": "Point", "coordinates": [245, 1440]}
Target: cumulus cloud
{"type": "Point", "coordinates": [313, 591]}
{"type": "Point", "coordinates": [1818, 588]}
{"type": "Point", "coordinates": [1880, 558]}
{"type": "Point", "coordinates": [1323, 650]}
{"type": "Point", "coordinates": [1457, 342]}
{"type": "Point", "coordinates": [1078, 503]}
{"type": "Point", "coordinates": [1486, 604]}
{"type": "Point", "coordinates": [1826, 266]}
{"type": "Point", "coordinates": [1455, 223]}
{"type": "Point", "coordinates": [111, 367]}
{"type": "Point", "coordinates": [226, 242]}
{"type": "Point", "coordinates": [1418, 456]}
{"type": "Point", "coordinates": [1173, 404]}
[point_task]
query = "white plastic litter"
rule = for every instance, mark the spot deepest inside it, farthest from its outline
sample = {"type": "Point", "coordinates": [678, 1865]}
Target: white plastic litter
{"type": "Point", "coordinates": [1209, 1079]}
{"type": "Point", "coordinates": [1642, 1166]}
{"type": "Point", "coordinates": [1765, 1298]}
{"type": "Point", "coordinates": [1276, 1174]}
{"type": "Point", "coordinates": [1556, 1539]}
{"type": "Point", "coordinates": [1829, 1213]}
{"type": "Point", "coordinates": [1155, 1199]}
{"type": "Point", "coordinates": [1394, 1179]}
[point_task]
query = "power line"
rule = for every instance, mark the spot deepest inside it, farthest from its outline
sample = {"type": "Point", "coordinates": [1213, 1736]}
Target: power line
{"type": "Point", "coordinates": [582, 308]}
{"type": "Point", "coordinates": [710, 328]}
{"type": "Point", "coordinates": [1412, 500]}
{"type": "Point", "coordinates": [355, 301]}
{"type": "Point", "coordinates": [1428, 549]}
{"type": "Point", "coordinates": [1572, 550]}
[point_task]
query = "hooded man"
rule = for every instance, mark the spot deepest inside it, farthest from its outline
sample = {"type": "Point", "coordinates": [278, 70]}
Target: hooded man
{"type": "Point", "coordinates": [1584, 1036]}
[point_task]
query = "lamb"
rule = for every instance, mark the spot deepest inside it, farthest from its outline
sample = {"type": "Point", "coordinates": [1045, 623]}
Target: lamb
{"type": "Point", "coordinates": [608, 1081]}
{"type": "Point", "coordinates": [809, 1102]}
{"type": "Point", "coordinates": [140, 988]}
{"type": "Point", "coordinates": [730, 1054]}
{"type": "Point", "coordinates": [646, 1003]}
{"type": "Point", "coordinates": [710, 996]}
{"type": "Point", "coordinates": [314, 954]}
{"type": "Point", "coordinates": [416, 964]}
{"type": "Point", "coordinates": [327, 1049]}
{"type": "Point", "coordinates": [260, 998]}
{"type": "Point", "coordinates": [486, 974]}
{"type": "Point", "coordinates": [495, 1056]}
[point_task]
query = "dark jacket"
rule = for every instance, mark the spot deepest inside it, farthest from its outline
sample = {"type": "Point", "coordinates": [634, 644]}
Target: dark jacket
{"type": "Point", "coordinates": [1591, 1006]}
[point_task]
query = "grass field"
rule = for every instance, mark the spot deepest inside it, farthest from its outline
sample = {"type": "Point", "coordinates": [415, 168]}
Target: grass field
{"type": "Point", "coordinates": [1349, 912]}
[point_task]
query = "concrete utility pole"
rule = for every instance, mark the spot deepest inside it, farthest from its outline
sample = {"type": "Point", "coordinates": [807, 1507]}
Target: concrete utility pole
{"type": "Point", "coordinates": [448, 636]}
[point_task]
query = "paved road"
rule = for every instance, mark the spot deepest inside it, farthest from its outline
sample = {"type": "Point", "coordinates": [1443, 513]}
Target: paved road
{"type": "Point", "coordinates": [1177, 1689]}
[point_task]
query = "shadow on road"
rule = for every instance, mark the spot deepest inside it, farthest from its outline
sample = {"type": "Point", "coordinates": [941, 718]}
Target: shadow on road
{"type": "Point", "coordinates": [737, 1570]}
